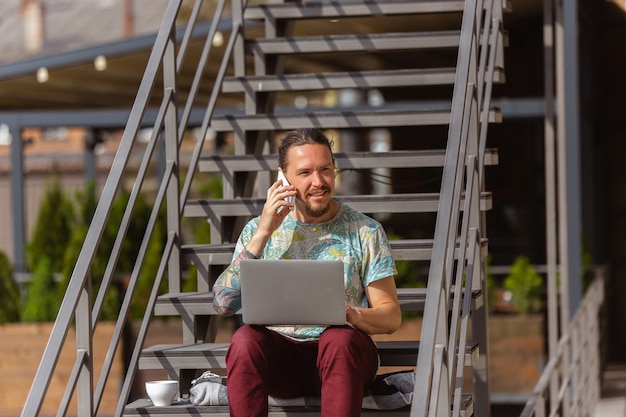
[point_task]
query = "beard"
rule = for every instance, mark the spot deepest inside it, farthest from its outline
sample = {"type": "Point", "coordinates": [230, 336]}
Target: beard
{"type": "Point", "coordinates": [316, 212]}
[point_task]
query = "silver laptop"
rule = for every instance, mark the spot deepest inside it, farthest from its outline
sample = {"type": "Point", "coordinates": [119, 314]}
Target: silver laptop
{"type": "Point", "coordinates": [292, 291]}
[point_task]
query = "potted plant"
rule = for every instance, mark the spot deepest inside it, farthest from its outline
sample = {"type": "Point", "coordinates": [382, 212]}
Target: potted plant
{"type": "Point", "coordinates": [523, 286]}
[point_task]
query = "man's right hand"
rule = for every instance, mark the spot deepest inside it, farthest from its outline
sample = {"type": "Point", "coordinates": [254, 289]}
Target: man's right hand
{"type": "Point", "coordinates": [274, 212]}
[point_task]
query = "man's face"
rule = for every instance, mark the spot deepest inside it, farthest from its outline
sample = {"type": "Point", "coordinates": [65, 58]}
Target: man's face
{"type": "Point", "coordinates": [311, 169]}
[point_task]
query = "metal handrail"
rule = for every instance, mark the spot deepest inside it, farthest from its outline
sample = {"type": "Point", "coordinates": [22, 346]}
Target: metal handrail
{"type": "Point", "coordinates": [465, 150]}
{"type": "Point", "coordinates": [543, 400]}
{"type": "Point", "coordinates": [76, 301]}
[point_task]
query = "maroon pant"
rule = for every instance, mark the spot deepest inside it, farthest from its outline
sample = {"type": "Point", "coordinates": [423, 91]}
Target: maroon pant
{"type": "Point", "coordinates": [339, 367]}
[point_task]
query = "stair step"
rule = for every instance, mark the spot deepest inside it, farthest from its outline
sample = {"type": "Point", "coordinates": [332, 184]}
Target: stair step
{"type": "Point", "coordinates": [403, 352]}
{"type": "Point", "coordinates": [345, 79]}
{"type": "Point", "coordinates": [341, 8]}
{"type": "Point", "coordinates": [200, 303]}
{"type": "Point", "coordinates": [144, 407]}
{"type": "Point", "coordinates": [221, 254]}
{"type": "Point", "coordinates": [338, 80]}
{"type": "Point", "coordinates": [377, 42]}
{"type": "Point", "coordinates": [387, 203]}
{"type": "Point", "coordinates": [350, 160]}
{"type": "Point", "coordinates": [338, 118]}
{"type": "Point", "coordinates": [213, 355]}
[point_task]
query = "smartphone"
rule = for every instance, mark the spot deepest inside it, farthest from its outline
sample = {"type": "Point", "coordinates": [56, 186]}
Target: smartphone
{"type": "Point", "coordinates": [291, 199]}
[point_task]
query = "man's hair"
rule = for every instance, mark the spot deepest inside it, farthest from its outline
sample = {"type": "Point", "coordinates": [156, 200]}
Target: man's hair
{"type": "Point", "coordinates": [299, 137]}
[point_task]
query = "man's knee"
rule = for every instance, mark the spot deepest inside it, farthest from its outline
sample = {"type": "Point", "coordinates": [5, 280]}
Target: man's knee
{"type": "Point", "coordinates": [347, 340]}
{"type": "Point", "coordinates": [347, 354]}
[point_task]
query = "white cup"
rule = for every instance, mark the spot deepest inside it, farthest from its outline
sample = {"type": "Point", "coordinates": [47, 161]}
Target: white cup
{"type": "Point", "coordinates": [162, 393]}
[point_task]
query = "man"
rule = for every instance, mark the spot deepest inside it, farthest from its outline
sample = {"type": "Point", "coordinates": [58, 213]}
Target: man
{"type": "Point", "coordinates": [337, 362]}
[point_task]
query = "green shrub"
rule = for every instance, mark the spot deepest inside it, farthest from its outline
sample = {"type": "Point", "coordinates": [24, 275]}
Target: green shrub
{"type": "Point", "coordinates": [10, 300]}
{"type": "Point", "coordinates": [42, 303]}
{"type": "Point", "coordinates": [53, 228]}
{"type": "Point", "coordinates": [525, 285]}
{"type": "Point", "coordinates": [60, 233]}
{"type": "Point", "coordinates": [45, 253]}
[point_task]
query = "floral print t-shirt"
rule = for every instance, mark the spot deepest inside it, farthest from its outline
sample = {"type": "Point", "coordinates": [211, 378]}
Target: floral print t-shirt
{"type": "Point", "coordinates": [356, 239]}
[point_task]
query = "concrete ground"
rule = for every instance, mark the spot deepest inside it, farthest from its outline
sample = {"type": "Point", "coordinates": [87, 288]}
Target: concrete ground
{"type": "Point", "coordinates": [613, 395]}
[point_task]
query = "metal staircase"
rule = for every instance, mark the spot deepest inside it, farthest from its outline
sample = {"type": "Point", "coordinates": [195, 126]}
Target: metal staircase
{"type": "Point", "coordinates": [436, 60]}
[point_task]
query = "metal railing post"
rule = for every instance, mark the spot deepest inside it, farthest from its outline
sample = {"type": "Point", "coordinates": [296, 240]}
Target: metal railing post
{"type": "Point", "coordinates": [170, 136]}
{"type": "Point", "coordinates": [239, 54]}
{"type": "Point", "coordinates": [17, 196]}
{"type": "Point", "coordinates": [84, 337]}
{"type": "Point", "coordinates": [550, 183]}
